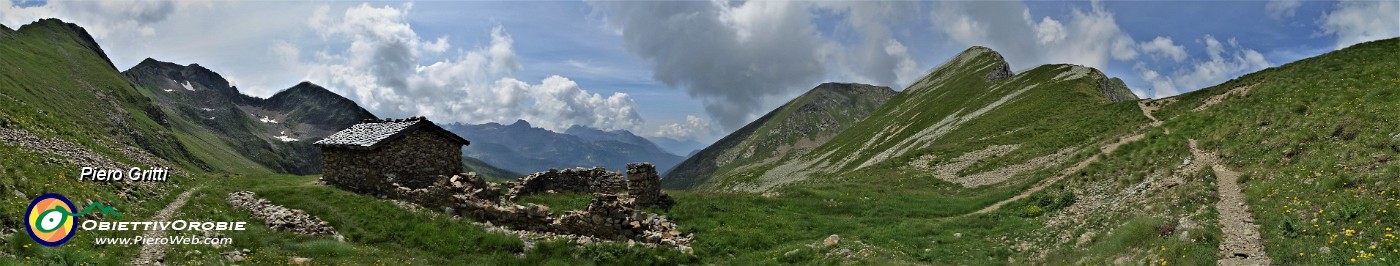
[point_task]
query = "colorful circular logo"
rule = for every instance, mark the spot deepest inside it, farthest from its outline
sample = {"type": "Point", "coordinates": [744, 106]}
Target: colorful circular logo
{"type": "Point", "coordinates": [50, 220]}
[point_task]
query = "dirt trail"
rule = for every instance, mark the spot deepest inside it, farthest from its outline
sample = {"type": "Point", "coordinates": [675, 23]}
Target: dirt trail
{"type": "Point", "coordinates": [1108, 149]}
{"type": "Point", "coordinates": [1147, 107]}
{"type": "Point", "coordinates": [155, 254]}
{"type": "Point", "coordinates": [1213, 100]}
{"type": "Point", "coordinates": [1242, 244]}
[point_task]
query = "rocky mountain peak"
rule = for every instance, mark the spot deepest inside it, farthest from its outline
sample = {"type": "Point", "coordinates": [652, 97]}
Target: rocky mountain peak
{"type": "Point", "coordinates": [521, 124]}
{"type": "Point", "coordinates": [1115, 90]}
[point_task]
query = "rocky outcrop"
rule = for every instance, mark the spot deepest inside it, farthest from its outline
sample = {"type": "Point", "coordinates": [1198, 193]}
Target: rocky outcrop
{"type": "Point", "coordinates": [1115, 90]}
{"type": "Point", "coordinates": [280, 218]}
{"type": "Point", "coordinates": [1001, 71]}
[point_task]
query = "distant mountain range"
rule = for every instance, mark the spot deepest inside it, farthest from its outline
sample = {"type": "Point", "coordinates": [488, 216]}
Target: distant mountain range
{"type": "Point", "coordinates": [522, 148]}
{"type": "Point", "coordinates": [686, 148]}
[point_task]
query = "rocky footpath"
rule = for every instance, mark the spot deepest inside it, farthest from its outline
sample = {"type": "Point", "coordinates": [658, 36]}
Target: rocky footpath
{"type": "Point", "coordinates": [280, 218]}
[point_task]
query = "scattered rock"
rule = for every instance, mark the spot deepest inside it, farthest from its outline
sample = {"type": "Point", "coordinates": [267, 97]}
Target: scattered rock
{"type": "Point", "coordinates": [235, 255]}
{"type": "Point", "coordinates": [832, 240]}
{"type": "Point", "coordinates": [1084, 238]}
{"type": "Point", "coordinates": [957, 235]}
{"type": "Point", "coordinates": [300, 261]}
{"type": "Point", "coordinates": [1324, 250]}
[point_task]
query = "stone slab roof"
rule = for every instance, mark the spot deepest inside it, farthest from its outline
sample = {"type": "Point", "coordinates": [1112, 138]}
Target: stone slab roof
{"type": "Point", "coordinates": [371, 134]}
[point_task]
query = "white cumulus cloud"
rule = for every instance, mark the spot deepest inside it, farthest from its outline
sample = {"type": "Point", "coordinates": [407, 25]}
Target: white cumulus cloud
{"type": "Point", "coordinates": [1164, 47]}
{"type": "Point", "coordinates": [740, 59]}
{"type": "Point", "coordinates": [1281, 9]}
{"type": "Point", "coordinates": [692, 128]}
{"type": "Point", "coordinates": [380, 69]}
{"type": "Point", "coordinates": [1353, 22]}
{"type": "Point", "coordinates": [101, 18]}
{"type": "Point", "coordinates": [1225, 60]}
{"type": "Point", "coordinates": [1086, 37]}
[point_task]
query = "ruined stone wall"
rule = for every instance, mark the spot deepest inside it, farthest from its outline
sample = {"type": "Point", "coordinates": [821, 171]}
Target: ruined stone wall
{"type": "Point", "coordinates": [580, 180]}
{"type": "Point", "coordinates": [413, 161]}
{"type": "Point", "coordinates": [644, 185]}
{"type": "Point", "coordinates": [609, 216]}
{"type": "Point", "coordinates": [614, 213]}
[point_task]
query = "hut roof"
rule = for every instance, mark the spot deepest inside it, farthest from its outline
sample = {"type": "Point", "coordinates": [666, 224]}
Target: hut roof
{"type": "Point", "coordinates": [372, 133]}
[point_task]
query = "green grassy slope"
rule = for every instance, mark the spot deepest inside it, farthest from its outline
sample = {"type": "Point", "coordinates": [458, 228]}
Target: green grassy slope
{"type": "Point", "coordinates": [1051, 110]}
{"type": "Point", "coordinates": [788, 131]}
{"type": "Point", "coordinates": [57, 82]}
{"type": "Point", "coordinates": [484, 169]}
{"type": "Point", "coordinates": [1318, 141]}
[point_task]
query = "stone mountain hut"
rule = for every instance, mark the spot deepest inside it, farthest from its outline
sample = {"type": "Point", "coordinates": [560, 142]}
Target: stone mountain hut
{"type": "Point", "coordinates": [369, 156]}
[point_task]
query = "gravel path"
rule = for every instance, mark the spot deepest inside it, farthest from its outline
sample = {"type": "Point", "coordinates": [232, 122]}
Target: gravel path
{"type": "Point", "coordinates": [155, 254]}
{"type": "Point", "coordinates": [1242, 244]}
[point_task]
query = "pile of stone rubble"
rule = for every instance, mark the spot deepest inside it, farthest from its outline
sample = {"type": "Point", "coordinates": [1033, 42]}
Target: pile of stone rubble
{"type": "Point", "coordinates": [278, 217]}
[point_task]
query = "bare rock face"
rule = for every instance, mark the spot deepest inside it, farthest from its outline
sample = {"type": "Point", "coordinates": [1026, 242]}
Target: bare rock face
{"type": "Point", "coordinates": [1002, 70]}
{"type": "Point", "coordinates": [1115, 90]}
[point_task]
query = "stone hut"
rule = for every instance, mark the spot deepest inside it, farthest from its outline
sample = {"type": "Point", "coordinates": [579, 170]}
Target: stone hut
{"type": "Point", "coordinates": [372, 156]}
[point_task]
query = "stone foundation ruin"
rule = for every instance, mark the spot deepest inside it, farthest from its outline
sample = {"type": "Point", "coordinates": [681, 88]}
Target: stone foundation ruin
{"type": "Point", "coordinates": [614, 213]}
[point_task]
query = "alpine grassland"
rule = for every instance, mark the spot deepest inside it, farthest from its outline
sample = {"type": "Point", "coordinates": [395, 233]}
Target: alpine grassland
{"type": "Point", "coordinates": [970, 165]}
{"type": "Point", "coordinates": [1317, 141]}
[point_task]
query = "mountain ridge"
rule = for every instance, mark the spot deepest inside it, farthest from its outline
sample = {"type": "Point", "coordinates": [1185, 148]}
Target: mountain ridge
{"type": "Point", "coordinates": [974, 85]}
{"type": "Point", "coordinates": [800, 124]}
{"type": "Point", "coordinates": [276, 132]}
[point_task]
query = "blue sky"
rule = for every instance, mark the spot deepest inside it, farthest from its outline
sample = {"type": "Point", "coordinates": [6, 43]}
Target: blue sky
{"type": "Point", "coordinates": [691, 69]}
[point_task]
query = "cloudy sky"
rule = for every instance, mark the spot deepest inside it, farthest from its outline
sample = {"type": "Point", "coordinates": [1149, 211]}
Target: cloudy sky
{"type": "Point", "coordinates": [690, 69]}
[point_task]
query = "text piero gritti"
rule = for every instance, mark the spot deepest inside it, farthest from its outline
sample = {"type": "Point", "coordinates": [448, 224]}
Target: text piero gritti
{"type": "Point", "coordinates": [135, 174]}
